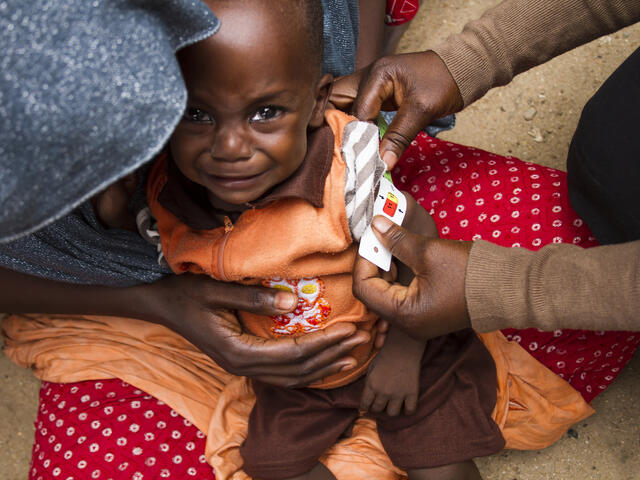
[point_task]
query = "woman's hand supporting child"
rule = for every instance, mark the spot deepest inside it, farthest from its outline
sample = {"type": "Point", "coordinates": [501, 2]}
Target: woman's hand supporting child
{"type": "Point", "coordinates": [199, 309]}
{"type": "Point", "coordinates": [195, 307]}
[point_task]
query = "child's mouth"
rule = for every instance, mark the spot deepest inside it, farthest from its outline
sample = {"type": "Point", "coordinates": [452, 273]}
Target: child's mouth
{"type": "Point", "coordinates": [235, 183]}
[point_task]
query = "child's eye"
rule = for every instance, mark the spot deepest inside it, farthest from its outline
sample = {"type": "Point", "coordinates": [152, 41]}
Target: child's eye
{"type": "Point", "coordinates": [197, 115]}
{"type": "Point", "coordinates": [264, 114]}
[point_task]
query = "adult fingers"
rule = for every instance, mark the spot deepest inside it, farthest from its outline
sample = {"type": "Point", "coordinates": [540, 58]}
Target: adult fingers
{"type": "Point", "coordinates": [255, 299]}
{"type": "Point", "coordinates": [333, 355]}
{"type": "Point", "coordinates": [345, 89]}
{"type": "Point", "coordinates": [377, 294]}
{"type": "Point", "coordinates": [403, 244]}
{"type": "Point", "coordinates": [306, 352]}
{"type": "Point", "coordinates": [382, 328]}
{"type": "Point", "coordinates": [419, 85]}
{"type": "Point", "coordinates": [364, 270]}
{"type": "Point", "coordinates": [380, 339]}
{"type": "Point", "coordinates": [404, 127]}
{"type": "Point", "coordinates": [297, 381]}
{"type": "Point", "coordinates": [376, 87]}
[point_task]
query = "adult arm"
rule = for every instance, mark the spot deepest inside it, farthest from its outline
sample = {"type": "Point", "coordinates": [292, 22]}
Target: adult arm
{"type": "Point", "coordinates": [508, 39]}
{"type": "Point", "coordinates": [559, 286]}
{"type": "Point", "coordinates": [195, 307]}
{"type": "Point", "coordinates": [517, 35]}
{"type": "Point", "coordinates": [461, 284]}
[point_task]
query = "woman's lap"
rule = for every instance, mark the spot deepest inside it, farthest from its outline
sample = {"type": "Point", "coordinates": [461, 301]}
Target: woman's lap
{"type": "Point", "coordinates": [471, 194]}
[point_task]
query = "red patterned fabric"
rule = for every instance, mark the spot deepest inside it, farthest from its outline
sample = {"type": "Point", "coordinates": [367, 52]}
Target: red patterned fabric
{"type": "Point", "coordinates": [109, 430]}
{"type": "Point", "coordinates": [401, 11]}
{"type": "Point", "coordinates": [473, 194]}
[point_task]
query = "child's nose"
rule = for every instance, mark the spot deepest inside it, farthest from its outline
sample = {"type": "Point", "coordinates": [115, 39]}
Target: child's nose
{"type": "Point", "coordinates": [230, 144]}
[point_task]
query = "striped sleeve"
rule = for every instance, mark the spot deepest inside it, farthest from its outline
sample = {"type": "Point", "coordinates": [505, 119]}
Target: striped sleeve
{"type": "Point", "coordinates": [360, 151]}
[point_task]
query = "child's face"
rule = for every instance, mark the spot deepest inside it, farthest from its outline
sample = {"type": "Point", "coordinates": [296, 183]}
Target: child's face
{"type": "Point", "coordinates": [252, 97]}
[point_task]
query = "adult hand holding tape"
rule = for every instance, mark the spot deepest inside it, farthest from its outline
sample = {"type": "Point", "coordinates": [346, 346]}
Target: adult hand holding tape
{"type": "Point", "coordinates": [433, 304]}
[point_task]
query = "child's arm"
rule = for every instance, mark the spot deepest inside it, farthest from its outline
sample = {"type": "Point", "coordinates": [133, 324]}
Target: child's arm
{"type": "Point", "coordinates": [393, 378]}
{"type": "Point", "coordinates": [370, 32]}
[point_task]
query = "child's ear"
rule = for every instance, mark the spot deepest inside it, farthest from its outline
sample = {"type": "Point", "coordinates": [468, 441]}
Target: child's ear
{"type": "Point", "coordinates": [323, 90]}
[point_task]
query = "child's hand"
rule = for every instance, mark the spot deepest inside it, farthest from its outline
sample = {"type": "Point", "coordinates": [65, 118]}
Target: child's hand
{"type": "Point", "coordinates": [393, 380]}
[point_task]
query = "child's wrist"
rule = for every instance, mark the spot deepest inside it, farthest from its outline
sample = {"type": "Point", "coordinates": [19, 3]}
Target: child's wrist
{"type": "Point", "coordinates": [403, 344]}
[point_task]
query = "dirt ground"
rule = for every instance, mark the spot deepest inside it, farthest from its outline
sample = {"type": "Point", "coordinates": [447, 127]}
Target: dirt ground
{"type": "Point", "coordinates": [533, 118]}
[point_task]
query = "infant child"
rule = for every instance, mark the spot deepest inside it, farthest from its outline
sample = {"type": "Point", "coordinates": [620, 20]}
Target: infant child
{"type": "Point", "coordinates": [259, 184]}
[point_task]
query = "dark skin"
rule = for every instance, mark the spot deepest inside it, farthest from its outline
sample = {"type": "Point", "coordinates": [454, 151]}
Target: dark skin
{"type": "Point", "coordinates": [417, 85]}
{"type": "Point", "coordinates": [375, 38]}
{"type": "Point", "coordinates": [385, 390]}
{"type": "Point", "coordinates": [198, 308]}
{"type": "Point", "coordinates": [402, 302]}
{"type": "Point", "coordinates": [245, 130]}
{"type": "Point", "coordinates": [371, 31]}
{"type": "Point", "coordinates": [421, 88]}
{"type": "Point", "coordinates": [433, 304]}
{"type": "Point", "coordinates": [245, 127]}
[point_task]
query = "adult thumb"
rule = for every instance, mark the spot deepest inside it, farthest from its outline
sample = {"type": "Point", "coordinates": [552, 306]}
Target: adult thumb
{"type": "Point", "coordinates": [404, 127]}
{"type": "Point", "coordinates": [406, 246]}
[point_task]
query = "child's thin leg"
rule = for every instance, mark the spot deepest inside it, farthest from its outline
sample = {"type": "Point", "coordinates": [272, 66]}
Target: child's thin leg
{"type": "Point", "coordinates": [319, 472]}
{"type": "Point", "coordinates": [456, 471]}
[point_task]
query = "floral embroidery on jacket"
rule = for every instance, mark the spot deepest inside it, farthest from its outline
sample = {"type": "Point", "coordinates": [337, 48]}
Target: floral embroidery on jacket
{"type": "Point", "coordinates": [311, 312]}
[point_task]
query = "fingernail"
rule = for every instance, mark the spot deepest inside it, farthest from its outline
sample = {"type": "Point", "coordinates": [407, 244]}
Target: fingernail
{"type": "Point", "coordinates": [356, 342]}
{"type": "Point", "coordinates": [285, 301]}
{"type": "Point", "coordinates": [390, 158]}
{"type": "Point", "coordinates": [346, 366]}
{"type": "Point", "coordinates": [380, 223]}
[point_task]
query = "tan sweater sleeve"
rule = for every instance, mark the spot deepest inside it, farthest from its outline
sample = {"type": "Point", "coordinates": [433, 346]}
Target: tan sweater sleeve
{"type": "Point", "coordinates": [519, 34]}
{"type": "Point", "coordinates": [559, 286]}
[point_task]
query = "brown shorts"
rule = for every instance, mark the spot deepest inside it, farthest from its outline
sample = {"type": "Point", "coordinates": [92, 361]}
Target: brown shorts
{"type": "Point", "coordinates": [289, 429]}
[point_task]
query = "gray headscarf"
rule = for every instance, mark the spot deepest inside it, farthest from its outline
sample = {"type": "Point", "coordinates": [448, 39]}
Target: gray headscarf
{"type": "Point", "coordinates": [89, 91]}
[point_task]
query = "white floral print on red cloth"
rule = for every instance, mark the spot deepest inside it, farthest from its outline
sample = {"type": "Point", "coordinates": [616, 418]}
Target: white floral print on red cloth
{"type": "Point", "coordinates": [473, 194]}
{"type": "Point", "coordinates": [109, 430]}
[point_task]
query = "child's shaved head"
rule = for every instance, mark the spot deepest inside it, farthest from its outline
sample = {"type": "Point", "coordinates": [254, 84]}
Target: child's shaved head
{"type": "Point", "coordinates": [310, 11]}
{"type": "Point", "coordinates": [303, 17]}
{"type": "Point", "coordinates": [255, 91]}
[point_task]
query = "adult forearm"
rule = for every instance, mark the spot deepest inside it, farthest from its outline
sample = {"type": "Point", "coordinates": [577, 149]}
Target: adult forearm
{"type": "Point", "coordinates": [22, 293]}
{"type": "Point", "coordinates": [559, 286]}
{"type": "Point", "coordinates": [519, 34]}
